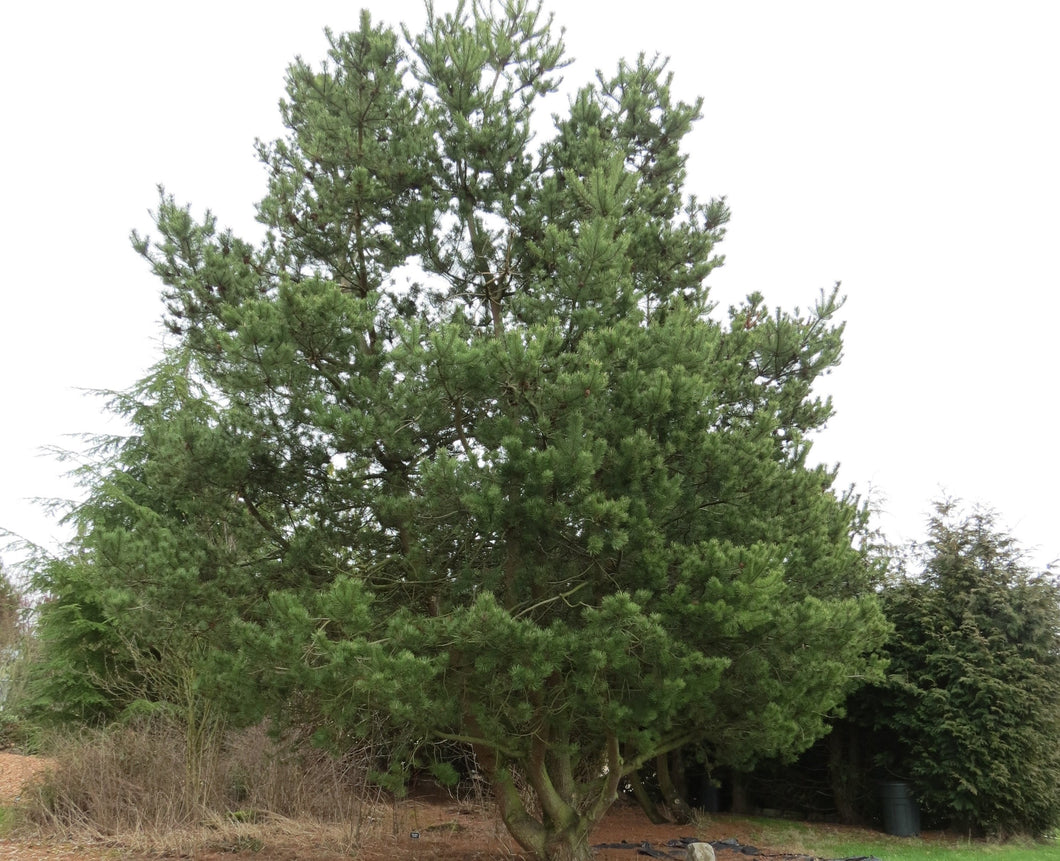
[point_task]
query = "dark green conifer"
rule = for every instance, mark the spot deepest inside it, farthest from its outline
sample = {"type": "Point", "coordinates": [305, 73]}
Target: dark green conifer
{"type": "Point", "coordinates": [972, 702]}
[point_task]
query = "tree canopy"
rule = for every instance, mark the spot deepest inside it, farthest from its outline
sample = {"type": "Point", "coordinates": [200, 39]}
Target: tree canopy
{"type": "Point", "coordinates": [463, 449]}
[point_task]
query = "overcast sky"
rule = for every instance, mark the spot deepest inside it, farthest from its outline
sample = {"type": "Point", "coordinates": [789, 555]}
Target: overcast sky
{"type": "Point", "coordinates": [910, 150]}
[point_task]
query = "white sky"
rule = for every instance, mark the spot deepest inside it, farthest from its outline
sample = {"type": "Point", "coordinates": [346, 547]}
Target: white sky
{"type": "Point", "coordinates": [909, 148]}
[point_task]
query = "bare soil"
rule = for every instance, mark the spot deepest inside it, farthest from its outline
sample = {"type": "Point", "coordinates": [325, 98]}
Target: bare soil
{"type": "Point", "coordinates": [417, 829]}
{"type": "Point", "coordinates": [16, 771]}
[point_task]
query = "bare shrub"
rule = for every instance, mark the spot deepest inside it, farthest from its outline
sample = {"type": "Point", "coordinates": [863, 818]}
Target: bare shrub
{"type": "Point", "coordinates": [129, 785]}
{"type": "Point", "coordinates": [126, 779]}
{"type": "Point", "coordinates": [290, 777]}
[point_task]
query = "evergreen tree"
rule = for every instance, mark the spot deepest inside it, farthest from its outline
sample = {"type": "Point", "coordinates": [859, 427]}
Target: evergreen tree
{"type": "Point", "coordinates": [464, 448]}
{"type": "Point", "coordinates": [140, 606]}
{"type": "Point", "coordinates": [972, 705]}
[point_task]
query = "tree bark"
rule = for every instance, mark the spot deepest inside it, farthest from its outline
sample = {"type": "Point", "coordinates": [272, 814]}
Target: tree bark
{"type": "Point", "coordinates": [562, 834]}
{"type": "Point", "coordinates": [640, 793]}
{"type": "Point", "coordinates": [676, 805]}
{"type": "Point", "coordinates": [844, 773]}
{"type": "Point", "coordinates": [740, 804]}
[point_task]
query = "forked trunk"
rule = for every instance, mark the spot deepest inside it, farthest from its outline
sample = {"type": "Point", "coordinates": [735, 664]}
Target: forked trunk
{"type": "Point", "coordinates": [561, 832]}
{"type": "Point", "coordinates": [546, 842]}
{"type": "Point", "coordinates": [570, 843]}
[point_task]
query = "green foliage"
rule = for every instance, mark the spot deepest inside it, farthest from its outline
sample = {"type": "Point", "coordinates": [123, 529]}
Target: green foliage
{"type": "Point", "coordinates": [76, 650]}
{"type": "Point", "coordinates": [973, 699]}
{"type": "Point", "coordinates": [139, 608]}
{"type": "Point", "coordinates": [463, 451]}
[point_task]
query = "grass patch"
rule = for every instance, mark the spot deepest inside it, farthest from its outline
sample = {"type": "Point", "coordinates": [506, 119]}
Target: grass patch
{"type": "Point", "coordinates": [9, 817]}
{"type": "Point", "coordinates": [829, 841]}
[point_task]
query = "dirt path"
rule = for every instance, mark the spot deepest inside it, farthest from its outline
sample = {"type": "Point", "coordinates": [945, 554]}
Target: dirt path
{"type": "Point", "coordinates": [15, 772]}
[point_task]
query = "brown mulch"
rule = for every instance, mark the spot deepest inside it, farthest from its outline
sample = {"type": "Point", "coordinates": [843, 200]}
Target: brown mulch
{"type": "Point", "coordinates": [16, 770]}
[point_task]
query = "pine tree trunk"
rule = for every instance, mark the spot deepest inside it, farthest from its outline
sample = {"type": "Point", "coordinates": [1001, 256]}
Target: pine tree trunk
{"type": "Point", "coordinates": [561, 831]}
{"type": "Point", "coordinates": [543, 843]}
{"type": "Point", "coordinates": [640, 793]}
{"type": "Point", "coordinates": [675, 803]}
{"type": "Point", "coordinates": [740, 803]}
{"type": "Point", "coordinates": [568, 846]}
{"type": "Point", "coordinates": [844, 773]}
{"type": "Point", "coordinates": [679, 777]}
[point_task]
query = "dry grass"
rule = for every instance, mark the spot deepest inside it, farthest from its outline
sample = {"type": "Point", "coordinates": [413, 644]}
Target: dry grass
{"type": "Point", "coordinates": [129, 787]}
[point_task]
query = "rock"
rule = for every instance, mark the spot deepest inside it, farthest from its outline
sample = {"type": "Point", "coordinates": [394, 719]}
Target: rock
{"type": "Point", "coordinates": [700, 852]}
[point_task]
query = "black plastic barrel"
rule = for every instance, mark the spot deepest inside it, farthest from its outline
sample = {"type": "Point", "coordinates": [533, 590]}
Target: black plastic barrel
{"type": "Point", "coordinates": [901, 816]}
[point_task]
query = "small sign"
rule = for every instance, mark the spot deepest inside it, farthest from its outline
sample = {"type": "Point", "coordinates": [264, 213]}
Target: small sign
{"type": "Point", "coordinates": [415, 835]}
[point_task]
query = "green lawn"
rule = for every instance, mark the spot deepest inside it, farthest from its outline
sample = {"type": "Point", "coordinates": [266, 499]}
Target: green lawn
{"type": "Point", "coordinates": [914, 849]}
{"type": "Point", "coordinates": [825, 841]}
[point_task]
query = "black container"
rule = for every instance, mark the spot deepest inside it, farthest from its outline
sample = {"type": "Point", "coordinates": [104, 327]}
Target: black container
{"type": "Point", "coordinates": [901, 815]}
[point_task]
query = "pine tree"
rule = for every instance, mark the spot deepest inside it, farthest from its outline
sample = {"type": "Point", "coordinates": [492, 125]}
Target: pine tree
{"type": "Point", "coordinates": [478, 458]}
